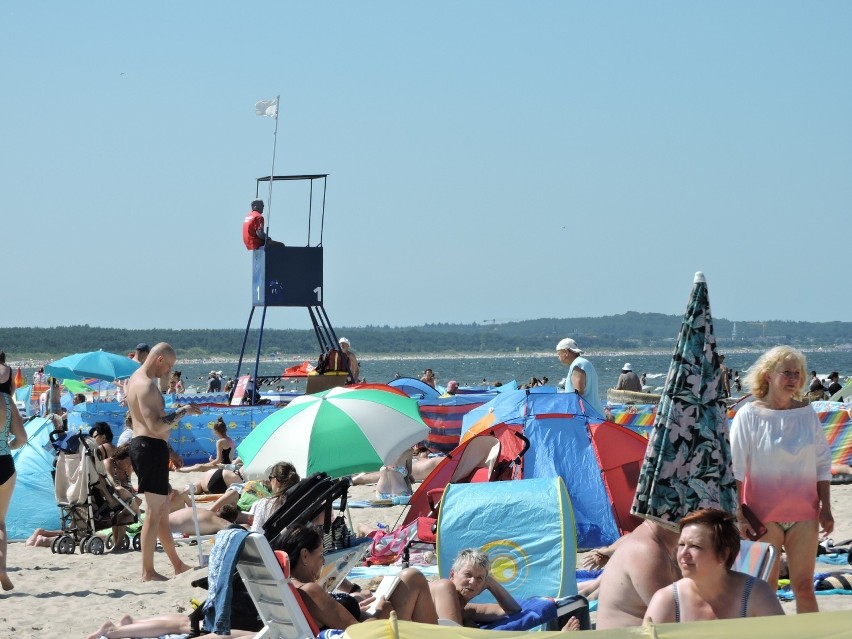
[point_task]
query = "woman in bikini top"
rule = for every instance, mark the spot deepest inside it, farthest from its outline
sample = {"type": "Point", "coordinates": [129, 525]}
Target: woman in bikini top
{"type": "Point", "coordinates": [708, 545]}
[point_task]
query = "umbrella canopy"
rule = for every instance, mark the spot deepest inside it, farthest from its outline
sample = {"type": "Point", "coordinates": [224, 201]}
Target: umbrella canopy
{"type": "Point", "coordinates": [75, 386]}
{"type": "Point", "coordinates": [339, 431]}
{"type": "Point", "coordinates": [687, 463]}
{"type": "Point", "coordinates": [98, 364]}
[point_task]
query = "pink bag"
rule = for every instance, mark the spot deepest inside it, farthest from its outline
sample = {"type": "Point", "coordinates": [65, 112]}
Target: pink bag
{"type": "Point", "coordinates": [388, 546]}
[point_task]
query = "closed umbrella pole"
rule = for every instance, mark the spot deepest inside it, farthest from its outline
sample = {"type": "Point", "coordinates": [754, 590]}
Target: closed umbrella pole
{"type": "Point", "coordinates": [687, 464]}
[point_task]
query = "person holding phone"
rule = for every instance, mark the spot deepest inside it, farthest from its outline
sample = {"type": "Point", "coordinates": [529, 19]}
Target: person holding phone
{"type": "Point", "coordinates": [782, 465]}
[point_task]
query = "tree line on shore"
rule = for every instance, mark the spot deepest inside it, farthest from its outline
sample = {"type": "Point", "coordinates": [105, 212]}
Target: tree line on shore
{"type": "Point", "coordinates": [625, 331]}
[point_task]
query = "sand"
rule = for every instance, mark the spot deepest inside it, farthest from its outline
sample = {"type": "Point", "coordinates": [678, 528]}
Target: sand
{"type": "Point", "coordinates": [68, 596]}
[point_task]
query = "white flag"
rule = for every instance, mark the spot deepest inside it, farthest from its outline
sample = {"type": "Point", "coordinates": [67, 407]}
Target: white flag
{"type": "Point", "coordinates": [267, 107]}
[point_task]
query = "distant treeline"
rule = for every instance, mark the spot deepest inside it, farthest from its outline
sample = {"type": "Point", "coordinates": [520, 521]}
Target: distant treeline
{"type": "Point", "coordinates": [629, 330]}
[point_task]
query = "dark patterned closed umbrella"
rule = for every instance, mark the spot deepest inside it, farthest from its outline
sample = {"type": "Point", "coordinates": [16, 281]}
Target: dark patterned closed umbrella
{"type": "Point", "coordinates": [688, 461]}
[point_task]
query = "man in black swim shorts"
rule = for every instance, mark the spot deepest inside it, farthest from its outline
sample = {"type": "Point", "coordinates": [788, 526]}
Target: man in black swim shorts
{"type": "Point", "coordinates": [149, 454]}
{"type": "Point", "coordinates": [150, 459]}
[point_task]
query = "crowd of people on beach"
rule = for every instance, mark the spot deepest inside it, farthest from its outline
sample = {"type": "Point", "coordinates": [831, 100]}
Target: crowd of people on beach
{"type": "Point", "coordinates": [780, 460]}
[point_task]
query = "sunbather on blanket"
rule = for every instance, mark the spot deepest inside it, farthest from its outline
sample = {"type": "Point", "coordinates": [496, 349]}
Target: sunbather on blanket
{"type": "Point", "coordinates": [468, 578]}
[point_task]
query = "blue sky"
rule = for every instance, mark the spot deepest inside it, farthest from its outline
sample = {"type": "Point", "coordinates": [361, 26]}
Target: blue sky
{"type": "Point", "coordinates": [488, 160]}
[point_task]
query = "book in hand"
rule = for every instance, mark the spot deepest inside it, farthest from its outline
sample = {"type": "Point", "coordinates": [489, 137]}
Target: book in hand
{"type": "Point", "coordinates": [754, 523]}
{"type": "Point", "coordinates": [385, 589]}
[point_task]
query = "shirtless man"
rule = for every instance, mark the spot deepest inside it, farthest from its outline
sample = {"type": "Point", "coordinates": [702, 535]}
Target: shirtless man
{"type": "Point", "coordinates": [642, 564]}
{"type": "Point", "coordinates": [469, 576]}
{"type": "Point", "coordinates": [149, 453]}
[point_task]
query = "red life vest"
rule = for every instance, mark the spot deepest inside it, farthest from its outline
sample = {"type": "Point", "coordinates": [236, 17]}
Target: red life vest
{"type": "Point", "coordinates": [251, 225]}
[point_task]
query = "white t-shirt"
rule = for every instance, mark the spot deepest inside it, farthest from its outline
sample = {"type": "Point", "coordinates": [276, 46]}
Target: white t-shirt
{"type": "Point", "coordinates": [261, 510]}
{"type": "Point", "coordinates": [780, 455]}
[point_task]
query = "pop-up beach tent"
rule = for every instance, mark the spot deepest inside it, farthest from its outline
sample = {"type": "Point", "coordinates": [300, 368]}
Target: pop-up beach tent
{"type": "Point", "coordinates": [33, 500]}
{"type": "Point", "coordinates": [598, 460]}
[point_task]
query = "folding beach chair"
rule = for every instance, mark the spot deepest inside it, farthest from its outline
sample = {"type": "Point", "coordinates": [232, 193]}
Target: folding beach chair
{"type": "Point", "coordinates": [280, 608]}
{"type": "Point", "coordinates": [755, 558]}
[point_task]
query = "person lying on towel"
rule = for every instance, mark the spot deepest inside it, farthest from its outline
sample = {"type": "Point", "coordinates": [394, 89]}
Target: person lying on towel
{"type": "Point", "coordinates": [468, 578]}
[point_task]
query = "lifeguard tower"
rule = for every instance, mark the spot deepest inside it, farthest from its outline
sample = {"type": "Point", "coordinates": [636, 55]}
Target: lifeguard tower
{"type": "Point", "coordinates": [292, 276]}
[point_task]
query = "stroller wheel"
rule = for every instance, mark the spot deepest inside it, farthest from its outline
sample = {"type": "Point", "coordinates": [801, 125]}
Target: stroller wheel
{"type": "Point", "coordinates": [124, 542]}
{"type": "Point", "coordinates": [110, 542]}
{"type": "Point", "coordinates": [95, 546]}
{"type": "Point", "coordinates": [54, 547]}
{"type": "Point", "coordinates": [66, 545]}
{"type": "Point", "coordinates": [137, 542]}
{"type": "Point", "coordinates": [84, 543]}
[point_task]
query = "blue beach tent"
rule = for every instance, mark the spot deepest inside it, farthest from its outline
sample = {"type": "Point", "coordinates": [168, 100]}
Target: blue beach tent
{"type": "Point", "coordinates": [598, 460]}
{"type": "Point", "coordinates": [33, 500]}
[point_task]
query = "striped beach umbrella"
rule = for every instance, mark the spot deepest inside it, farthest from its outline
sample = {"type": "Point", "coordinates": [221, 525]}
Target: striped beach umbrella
{"type": "Point", "coordinates": [339, 432]}
{"type": "Point", "coordinates": [687, 463]}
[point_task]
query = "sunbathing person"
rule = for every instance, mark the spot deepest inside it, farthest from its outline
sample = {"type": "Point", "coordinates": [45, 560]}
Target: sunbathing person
{"type": "Point", "coordinates": [709, 544]}
{"type": "Point", "coordinates": [119, 470]}
{"type": "Point", "coordinates": [410, 599]}
{"type": "Point", "coordinates": [225, 449]}
{"type": "Point", "coordinates": [642, 564]}
{"type": "Point", "coordinates": [468, 578]}
{"type": "Point", "coordinates": [423, 463]}
{"type": "Point", "coordinates": [243, 496]}
{"type": "Point", "coordinates": [216, 481]}
{"type": "Point", "coordinates": [209, 523]}
{"type": "Point", "coordinates": [171, 624]}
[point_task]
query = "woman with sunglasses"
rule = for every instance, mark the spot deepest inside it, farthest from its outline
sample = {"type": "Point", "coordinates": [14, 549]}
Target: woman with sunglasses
{"type": "Point", "coordinates": [282, 476]}
{"type": "Point", "coordinates": [782, 465]}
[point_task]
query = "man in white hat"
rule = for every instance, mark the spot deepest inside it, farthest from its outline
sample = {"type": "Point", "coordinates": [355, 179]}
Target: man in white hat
{"type": "Point", "coordinates": [582, 377]}
{"type": "Point", "coordinates": [354, 367]}
{"type": "Point", "coordinates": [628, 380]}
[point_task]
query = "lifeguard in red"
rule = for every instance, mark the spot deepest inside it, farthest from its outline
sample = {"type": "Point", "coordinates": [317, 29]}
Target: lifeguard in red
{"type": "Point", "coordinates": [253, 234]}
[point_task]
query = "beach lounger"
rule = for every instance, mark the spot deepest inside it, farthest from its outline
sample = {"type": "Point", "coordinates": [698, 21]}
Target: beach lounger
{"type": "Point", "coordinates": [755, 558]}
{"type": "Point", "coordinates": [280, 608]}
{"type": "Point", "coordinates": [306, 501]}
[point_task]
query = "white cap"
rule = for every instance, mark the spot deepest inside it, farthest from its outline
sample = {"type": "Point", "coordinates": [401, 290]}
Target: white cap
{"type": "Point", "coordinates": [568, 344]}
{"type": "Point", "coordinates": [343, 340]}
{"type": "Point", "coordinates": [627, 367]}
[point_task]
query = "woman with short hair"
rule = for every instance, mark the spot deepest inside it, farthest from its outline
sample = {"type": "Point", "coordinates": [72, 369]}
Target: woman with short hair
{"type": "Point", "coordinates": [708, 545]}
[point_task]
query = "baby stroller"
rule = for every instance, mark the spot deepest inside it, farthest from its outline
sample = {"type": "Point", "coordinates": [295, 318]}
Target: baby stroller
{"type": "Point", "coordinates": [87, 499]}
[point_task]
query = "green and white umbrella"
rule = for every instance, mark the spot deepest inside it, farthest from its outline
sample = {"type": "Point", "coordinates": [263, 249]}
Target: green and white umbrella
{"type": "Point", "coordinates": [339, 432]}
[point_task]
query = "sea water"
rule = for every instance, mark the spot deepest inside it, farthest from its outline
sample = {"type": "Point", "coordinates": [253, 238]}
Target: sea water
{"type": "Point", "coordinates": [477, 369]}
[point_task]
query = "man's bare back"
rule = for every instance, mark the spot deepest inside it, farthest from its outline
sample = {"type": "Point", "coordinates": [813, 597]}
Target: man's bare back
{"type": "Point", "coordinates": [642, 564]}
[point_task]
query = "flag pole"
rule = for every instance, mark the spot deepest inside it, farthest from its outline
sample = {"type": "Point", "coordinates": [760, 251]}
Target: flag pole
{"type": "Point", "coordinates": [272, 170]}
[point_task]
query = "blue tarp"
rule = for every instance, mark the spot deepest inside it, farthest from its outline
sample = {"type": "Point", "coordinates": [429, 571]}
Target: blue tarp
{"type": "Point", "coordinates": [33, 500]}
{"type": "Point", "coordinates": [192, 437]}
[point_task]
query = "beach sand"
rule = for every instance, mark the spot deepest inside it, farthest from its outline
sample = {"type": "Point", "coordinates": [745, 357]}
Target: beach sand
{"type": "Point", "coordinates": [68, 596]}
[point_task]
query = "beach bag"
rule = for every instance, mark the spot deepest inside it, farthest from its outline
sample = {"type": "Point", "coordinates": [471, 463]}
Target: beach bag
{"type": "Point", "coordinates": [338, 537]}
{"type": "Point", "coordinates": [388, 546]}
{"type": "Point", "coordinates": [65, 443]}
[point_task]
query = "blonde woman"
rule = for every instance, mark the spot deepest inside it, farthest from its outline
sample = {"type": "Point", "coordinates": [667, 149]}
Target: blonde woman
{"type": "Point", "coordinates": [782, 465]}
